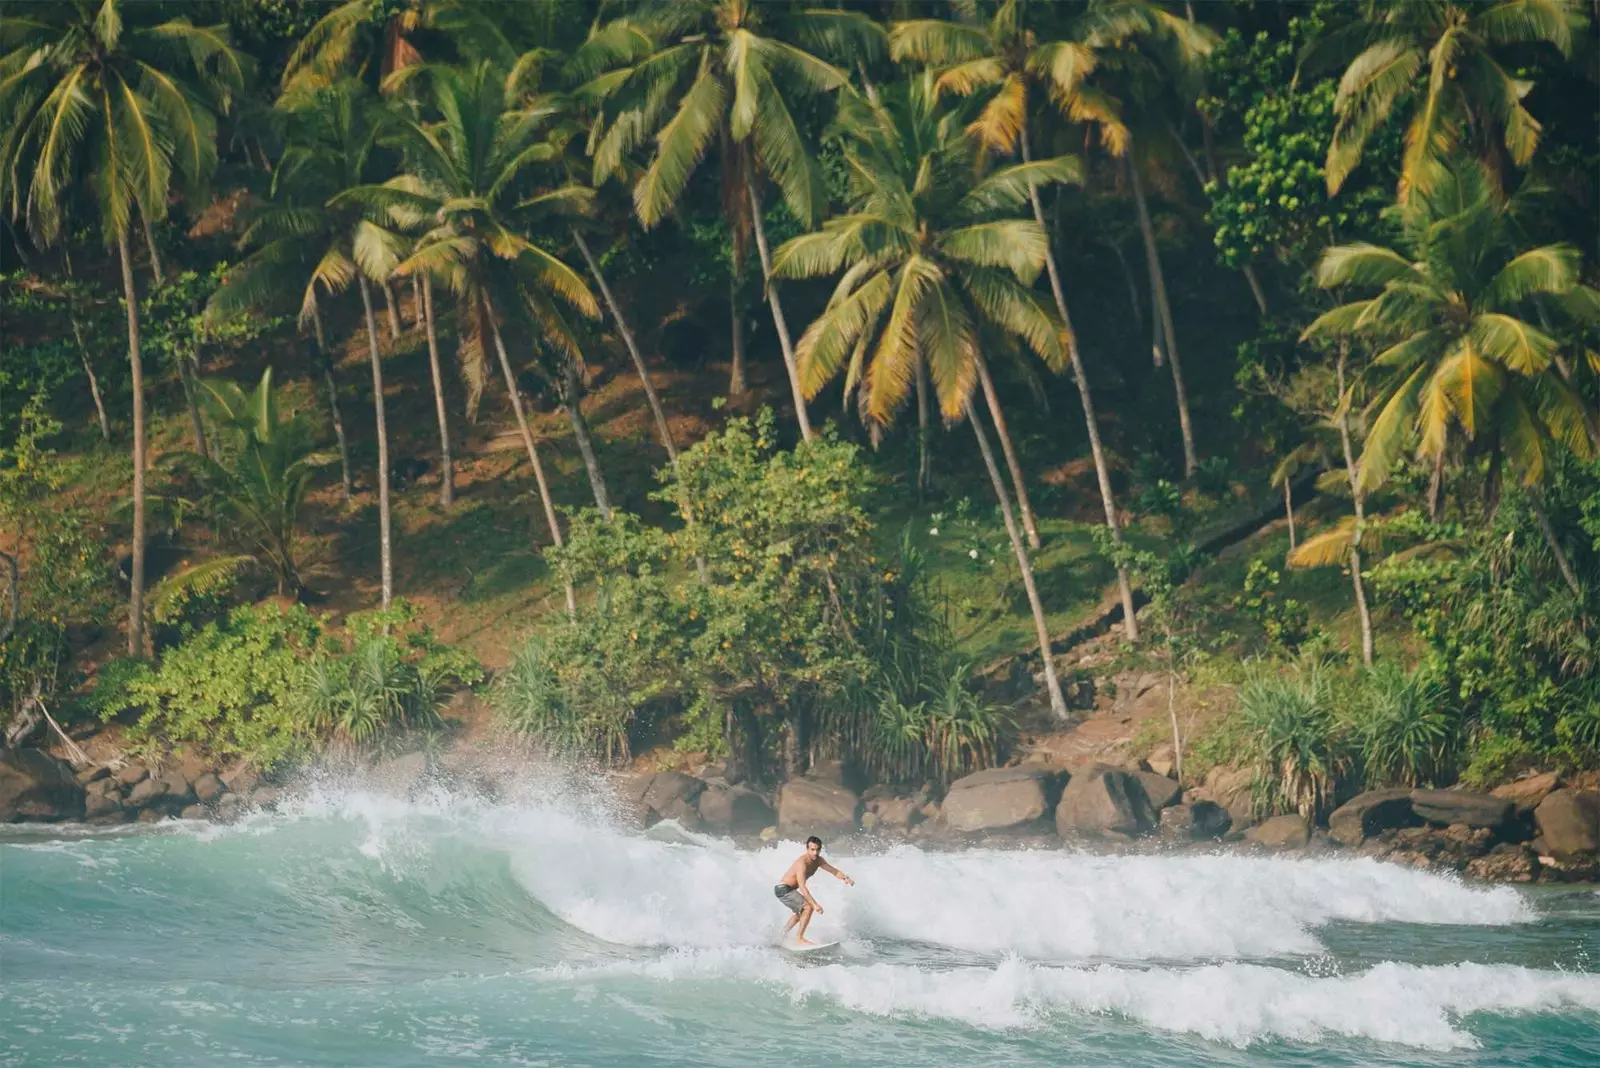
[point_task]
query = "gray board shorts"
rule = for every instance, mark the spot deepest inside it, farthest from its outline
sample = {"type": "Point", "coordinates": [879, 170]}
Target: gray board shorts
{"type": "Point", "coordinates": [790, 896]}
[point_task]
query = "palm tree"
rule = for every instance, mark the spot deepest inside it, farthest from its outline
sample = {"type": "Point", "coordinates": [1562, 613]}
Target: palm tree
{"type": "Point", "coordinates": [466, 171]}
{"type": "Point", "coordinates": [944, 255]}
{"type": "Point", "coordinates": [385, 37]}
{"type": "Point", "coordinates": [124, 99]}
{"type": "Point", "coordinates": [699, 71]}
{"type": "Point", "coordinates": [1468, 93]}
{"type": "Point", "coordinates": [1458, 356]}
{"type": "Point", "coordinates": [1004, 57]}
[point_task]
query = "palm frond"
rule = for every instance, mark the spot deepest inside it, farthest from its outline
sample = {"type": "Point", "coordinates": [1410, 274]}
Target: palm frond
{"type": "Point", "coordinates": [679, 148]}
{"type": "Point", "coordinates": [1512, 342]}
{"type": "Point", "coordinates": [1360, 264]}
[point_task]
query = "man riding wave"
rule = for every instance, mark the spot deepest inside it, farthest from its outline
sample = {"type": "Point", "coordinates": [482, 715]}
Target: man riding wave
{"type": "Point", "coordinates": [792, 890]}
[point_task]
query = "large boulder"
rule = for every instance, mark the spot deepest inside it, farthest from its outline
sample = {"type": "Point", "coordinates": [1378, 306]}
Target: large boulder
{"type": "Point", "coordinates": [132, 773]}
{"type": "Point", "coordinates": [1569, 823]}
{"type": "Point", "coordinates": [1231, 788]}
{"type": "Point", "coordinates": [1194, 821]}
{"type": "Point", "coordinates": [1002, 799]}
{"type": "Point", "coordinates": [1371, 813]}
{"type": "Point", "coordinates": [734, 810]}
{"type": "Point", "coordinates": [146, 791]}
{"type": "Point", "coordinates": [176, 792]}
{"type": "Point", "coordinates": [672, 795]}
{"type": "Point", "coordinates": [900, 813]}
{"type": "Point", "coordinates": [207, 788]}
{"type": "Point", "coordinates": [1103, 802]}
{"type": "Point", "coordinates": [1528, 792]}
{"type": "Point", "coordinates": [1158, 789]}
{"type": "Point", "coordinates": [1281, 832]}
{"type": "Point", "coordinates": [1506, 864]}
{"type": "Point", "coordinates": [1448, 807]}
{"type": "Point", "coordinates": [810, 806]}
{"type": "Point", "coordinates": [36, 786]}
{"type": "Point", "coordinates": [241, 779]}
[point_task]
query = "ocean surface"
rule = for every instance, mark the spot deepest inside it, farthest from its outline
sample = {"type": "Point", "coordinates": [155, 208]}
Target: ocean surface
{"type": "Point", "coordinates": [355, 928]}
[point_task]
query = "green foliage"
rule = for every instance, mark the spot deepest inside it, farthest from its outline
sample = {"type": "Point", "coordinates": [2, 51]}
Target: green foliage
{"type": "Point", "coordinates": [1402, 727]}
{"type": "Point", "coordinates": [1285, 621]}
{"type": "Point", "coordinates": [1292, 739]}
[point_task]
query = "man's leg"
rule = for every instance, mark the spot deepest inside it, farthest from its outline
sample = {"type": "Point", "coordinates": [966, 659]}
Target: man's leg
{"type": "Point", "coordinates": [805, 920]}
{"type": "Point", "coordinates": [794, 918]}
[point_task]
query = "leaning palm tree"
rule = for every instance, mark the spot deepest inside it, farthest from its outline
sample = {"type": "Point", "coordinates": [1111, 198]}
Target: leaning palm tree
{"type": "Point", "coordinates": [1004, 58]}
{"type": "Point", "coordinates": [469, 181]}
{"type": "Point", "coordinates": [692, 73]}
{"type": "Point", "coordinates": [932, 260]}
{"type": "Point", "coordinates": [1459, 355]}
{"type": "Point", "coordinates": [1450, 59]}
{"type": "Point", "coordinates": [123, 99]}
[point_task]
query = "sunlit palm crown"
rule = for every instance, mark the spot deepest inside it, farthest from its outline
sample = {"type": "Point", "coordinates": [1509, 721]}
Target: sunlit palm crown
{"type": "Point", "coordinates": [931, 254]}
{"type": "Point", "coordinates": [1450, 317]}
{"type": "Point", "coordinates": [683, 72]}
{"type": "Point", "coordinates": [1460, 47]}
{"type": "Point", "coordinates": [382, 34]}
{"type": "Point", "coordinates": [115, 95]}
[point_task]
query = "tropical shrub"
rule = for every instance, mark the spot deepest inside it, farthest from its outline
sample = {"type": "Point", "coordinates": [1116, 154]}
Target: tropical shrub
{"type": "Point", "coordinates": [1402, 727]}
{"type": "Point", "coordinates": [1285, 621]}
{"type": "Point", "coordinates": [1292, 739]}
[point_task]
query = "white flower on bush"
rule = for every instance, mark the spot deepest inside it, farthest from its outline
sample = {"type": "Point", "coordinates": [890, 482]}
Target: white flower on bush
{"type": "Point", "coordinates": [972, 553]}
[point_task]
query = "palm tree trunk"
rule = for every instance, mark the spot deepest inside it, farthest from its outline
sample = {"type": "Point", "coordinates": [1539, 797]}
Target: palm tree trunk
{"type": "Point", "coordinates": [777, 316]}
{"type": "Point", "coordinates": [384, 544]}
{"type": "Point", "coordinates": [527, 440]}
{"type": "Point", "coordinates": [136, 369]}
{"type": "Point", "coordinates": [1164, 313]}
{"type": "Point", "coordinates": [447, 479]}
{"type": "Point", "coordinates": [1359, 499]}
{"type": "Point", "coordinates": [333, 398]}
{"type": "Point", "coordinates": [633, 350]}
{"type": "Point", "coordinates": [1012, 463]}
{"type": "Point", "coordinates": [150, 243]}
{"type": "Point", "coordinates": [391, 305]}
{"type": "Point", "coordinates": [94, 382]}
{"type": "Point", "coordinates": [580, 432]}
{"type": "Point", "coordinates": [1058, 704]}
{"type": "Point", "coordinates": [1564, 564]}
{"type": "Point", "coordinates": [1288, 507]}
{"type": "Point", "coordinates": [924, 432]}
{"type": "Point", "coordinates": [419, 314]}
{"type": "Point", "coordinates": [736, 380]}
{"type": "Point", "coordinates": [1080, 378]}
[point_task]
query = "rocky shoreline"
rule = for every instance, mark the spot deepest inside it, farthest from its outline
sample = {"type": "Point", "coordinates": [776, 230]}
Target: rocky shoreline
{"type": "Point", "coordinates": [1537, 829]}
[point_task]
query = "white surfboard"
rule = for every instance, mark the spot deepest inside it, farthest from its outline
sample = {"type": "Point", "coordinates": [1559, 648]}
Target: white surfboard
{"type": "Point", "coordinates": [794, 947]}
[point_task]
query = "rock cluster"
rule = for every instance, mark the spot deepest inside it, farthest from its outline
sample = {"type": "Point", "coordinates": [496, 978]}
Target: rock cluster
{"type": "Point", "coordinates": [36, 786]}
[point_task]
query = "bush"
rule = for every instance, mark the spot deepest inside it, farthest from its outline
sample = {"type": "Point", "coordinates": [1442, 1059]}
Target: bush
{"type": "Point", "coordinates": [1401, 725]}
{"type": "Point", "coordinates": [1285, 621]}
{"type": "Point", "coordinates": [1293, 740]}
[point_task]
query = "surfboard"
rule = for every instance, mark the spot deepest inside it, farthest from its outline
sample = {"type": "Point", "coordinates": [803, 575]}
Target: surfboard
{"type": "Point", "coordinates": [794, 948]}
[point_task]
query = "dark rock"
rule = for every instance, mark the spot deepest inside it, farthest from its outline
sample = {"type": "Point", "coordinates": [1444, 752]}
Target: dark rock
{"type": "Point", "coordinates": [265, 796]}
{"type": "Point", "coordinates": [95, 773]}
{"type": "Point", "coordinates": [150, 815]}
{"type": "Point", "coordinates": [175, 789]}
{"type": "Point", "coordinates": [241, 780]}
{"type": "Point", "coordinates": [1569, 823]}
{"type": "Point", "coordinates": [1231, 788]}
{"type": "Point", "coordinates": [1104, 802]}
{"type": "Point", "coordinates": [208, 788]}
{"type": "Point", "coordinates": [1281, 832]}
{"type": "Point", "coordinates": [667, 791]}
{"type": "Point", "coordinates": [131, 774]}
{"type": "Point", "coordinates": [734, 810]}
{"type": "Point", "coordinates": [145, 792]}
{"type": "Point", "coordinates": [1002, 799]}
{"type": "Point", "coordinates": [1160, 790]}
{"type": "Point", "coordinates": [1462, 807]}
{"type": "Point", "coordinates": [1370, 813]}
{"type": "Point", "coordinates": [193, 812]}
{"type": "Point", "coordinates": [1526, 793]}
{"type": "Point", "coordinates": [900, 813]}
{"type": "Point", "coordinates": [1194, 821]}
{"type": "Point", "coordinates": [1506, 864]}
{"type": "Point", "coordinates": [99, 804]}
{"type": "Point", "coordinates": [809, 806]}
{"type": "Point", "coordinates": [1583, 868]}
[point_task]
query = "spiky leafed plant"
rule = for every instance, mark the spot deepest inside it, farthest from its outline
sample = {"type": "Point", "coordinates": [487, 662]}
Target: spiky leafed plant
{"type": "Point", "coordinates": [1458, 356]}
{"type": "Point", "coordinates": [1450, 60]}
{"type": "Point", "coordinates": [387, 36]}
{"type": "Point", "coordinates": [1004, 58]}
{"type": "Point", "coordinates": [693, 72]}
{"type": "Point", "coordinates": [121, 98]}
{"type": "Point", "coordinates": [470, 181]}
{"type": "Point", "coordinates": [932, 256]}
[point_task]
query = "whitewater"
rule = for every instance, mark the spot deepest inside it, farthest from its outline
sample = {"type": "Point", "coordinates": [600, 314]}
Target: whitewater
{"type": "Point", "coordinates": [353, 927]}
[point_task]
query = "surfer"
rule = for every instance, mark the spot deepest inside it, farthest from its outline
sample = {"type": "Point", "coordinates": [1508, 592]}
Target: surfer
{"type": "Point", "coordinates": [792, 891]}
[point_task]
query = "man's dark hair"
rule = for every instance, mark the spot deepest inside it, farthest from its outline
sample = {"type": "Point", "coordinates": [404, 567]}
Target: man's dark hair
{"type": "Point", "coordinates": [815, 839]}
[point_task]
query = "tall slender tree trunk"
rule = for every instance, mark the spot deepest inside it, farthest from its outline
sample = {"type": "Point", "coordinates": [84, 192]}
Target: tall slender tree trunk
{"type": "Point", "coordinates": [94, 382]}
{"type": "Point", "coordinates": [326, 363]}
{"type": "Point", "coordinates": [527, 440]}
{"type": "Point", "coordinates": [777, 315]}
{"type": "Point", "coordinates": [924, 432]}
{"type": "Point", "coordinates": [1058, 703]}
{"type": "Point", "coordinates": [573, 394]}
{"type": "Point", "coordinates": [419, 314]}
{"type": "Point", "coordinates": [1288, 508]}
{"type": "Point", "coordinates": [736, 380]}
{"type": "Point", "coordinates": [447, 478]}
{"type": "Point", "coordinates": [1080, 378]}
{"type": "Point", "coordinates": [384, 542]}
{"type": "Point", "coordinates": [1029, 527]}
{"type": "Point", "coordinates": [1359, 498]}
{"type": "Point", "coordinates": [150, 243]}
{"type": "Point", "coordinates": [187, 376]}
{"type": "Point", "coordinates": [391, 305]}
{"type": "Point", "coordinates": [136, 369]}
{"type": "Point", "coordinates": [1164, 314]}
{"type": "Point", "coordinates": [662, 428]}
{"type": "Point", "coordinates": [1562, 563]}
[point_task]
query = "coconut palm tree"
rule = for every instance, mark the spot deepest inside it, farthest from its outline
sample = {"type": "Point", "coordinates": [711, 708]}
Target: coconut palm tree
{"type": "Point", "coordinates": [935, 264]}
{"type": "Point", "coordinates": [1459, 355]}
{"type": "Point", "coordinates": [123, 99]}
{"type": "Point", "coordinates": [695, 72]}
{"type": "Point", "coordinates": [468, 181]}
{"type": "Point", "coordinates": [1450, 59]}
{"type": "Point", "coordinates": [387, 36]}
{"type": "Point", "coordinates": [1005, 59]}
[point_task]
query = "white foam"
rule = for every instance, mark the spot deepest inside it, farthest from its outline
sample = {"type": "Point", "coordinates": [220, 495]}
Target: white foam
{"type": "Point", "coordinates": [1233, 1003]}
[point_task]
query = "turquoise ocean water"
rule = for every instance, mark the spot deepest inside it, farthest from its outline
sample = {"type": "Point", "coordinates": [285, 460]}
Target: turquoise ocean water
{"type": "Point", "coordinates": [361, 929]}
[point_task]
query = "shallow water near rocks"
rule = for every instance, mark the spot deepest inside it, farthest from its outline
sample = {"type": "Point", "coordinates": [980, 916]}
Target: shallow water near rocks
{"type": "Point", "coordinates": [355, 928]}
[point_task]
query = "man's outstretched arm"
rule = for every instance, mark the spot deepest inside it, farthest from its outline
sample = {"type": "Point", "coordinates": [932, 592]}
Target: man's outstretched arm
{"type": "Point", "coordinates": [835, 872]}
